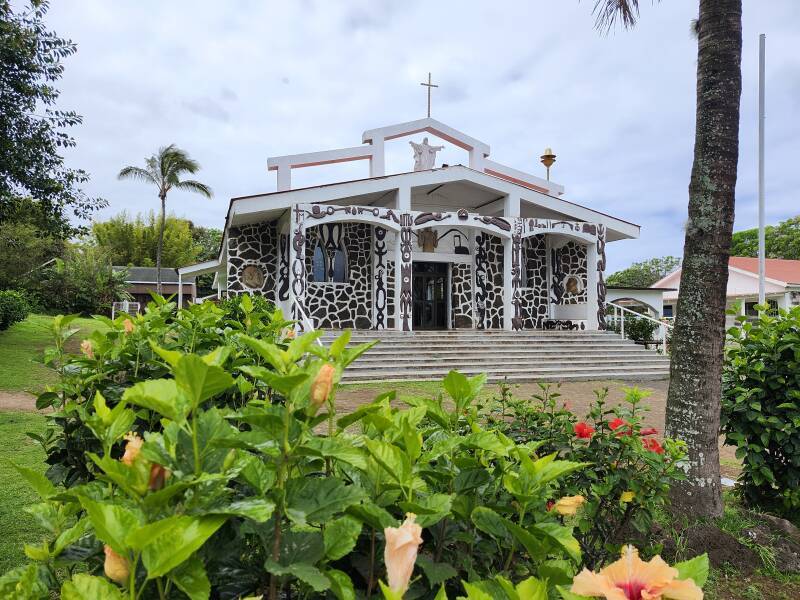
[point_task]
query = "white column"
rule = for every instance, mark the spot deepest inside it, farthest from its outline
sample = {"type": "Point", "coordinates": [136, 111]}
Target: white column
{"type": "Point", "coordinates": [591, 286]}
{"type": "Point", "coordinates": [377, 166]}
{"type": "Point", "coordinates": [284, 178]}
{"type": "Point", "coordinates": [508, 289]}
{"type": "Point", "coordinates": [180, 290]}
{"type": "Point", "coordinates": [511, 205]}
{"type": "Point", "coordinates": [404, 199]}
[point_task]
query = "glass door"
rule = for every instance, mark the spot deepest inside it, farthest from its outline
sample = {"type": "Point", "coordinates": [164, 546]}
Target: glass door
{"type": "Point", "coordinates": [429, 292]}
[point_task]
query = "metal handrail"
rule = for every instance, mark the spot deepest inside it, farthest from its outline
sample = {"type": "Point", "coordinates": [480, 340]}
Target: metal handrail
{"type": "Point", "coordinates": [308, 325]}
{"type": "Point", "coordinates": [663, 327]}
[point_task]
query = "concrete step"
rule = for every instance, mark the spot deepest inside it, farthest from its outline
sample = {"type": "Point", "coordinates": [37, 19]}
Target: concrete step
{"type": "Point", "coordinates": [609, 375]}
{"type": "Point", "coordinates": [499, 365]}
{"type": "Point", "coordinates": [384, 354]}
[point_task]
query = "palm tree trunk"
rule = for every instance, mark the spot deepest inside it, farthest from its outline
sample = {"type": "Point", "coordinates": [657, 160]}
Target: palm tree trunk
{"type": "Point", "coordinates": [693, 402]}
{"type": "Point", "coordinates": [163, 197]}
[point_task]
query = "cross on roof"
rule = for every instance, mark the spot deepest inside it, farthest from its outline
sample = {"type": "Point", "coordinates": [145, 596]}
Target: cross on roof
{"type": "Point", "coordinates": [429, 85]}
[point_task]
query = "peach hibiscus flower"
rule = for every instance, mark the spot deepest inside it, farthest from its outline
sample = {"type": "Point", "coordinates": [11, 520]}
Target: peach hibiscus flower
{"type": "Point", "coordinates": [631, 578]}
{"type": "Point", "coordinates": [402, 544]}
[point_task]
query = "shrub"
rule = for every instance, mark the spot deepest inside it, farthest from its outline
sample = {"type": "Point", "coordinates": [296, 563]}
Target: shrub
{"type": "Point", "coordinates": [636, 328]}
{"type": "Point", "coordinates": [14, 308]}
{"type": "Point", "coordinates": [761, 408]}
{"type": "Point", "coordinates": [631, 472]}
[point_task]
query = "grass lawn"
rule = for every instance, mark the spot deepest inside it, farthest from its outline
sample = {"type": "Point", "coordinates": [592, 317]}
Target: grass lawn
{"type": "Point", "coordinates": [21, 348]}
{"type": "Point", "coordinates": [16, 526]}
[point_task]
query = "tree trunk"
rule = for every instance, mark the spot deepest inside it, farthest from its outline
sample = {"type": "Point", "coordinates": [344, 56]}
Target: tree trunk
{"type": "Point", "coordinates": [163, 197]}
{"type": "Point", "coordinates": [693, 402]}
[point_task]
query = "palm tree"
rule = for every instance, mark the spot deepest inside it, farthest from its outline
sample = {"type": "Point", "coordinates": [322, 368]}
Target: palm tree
{"type": "Point", "coordinates": [164, 170]}
{"type": "Point", "coordinates": [693, 400]}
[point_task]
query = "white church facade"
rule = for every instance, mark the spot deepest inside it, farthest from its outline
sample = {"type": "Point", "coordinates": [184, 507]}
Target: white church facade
{"type": "Point", "coordinates": [481, 246]}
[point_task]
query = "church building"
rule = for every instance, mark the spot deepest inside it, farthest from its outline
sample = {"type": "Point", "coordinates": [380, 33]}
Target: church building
{"type": "Point", "coordinates": [476, 246]}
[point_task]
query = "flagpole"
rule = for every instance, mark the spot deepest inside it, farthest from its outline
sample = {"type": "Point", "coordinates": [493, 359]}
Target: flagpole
{"type": "Point", "coordinates": [762, 263]}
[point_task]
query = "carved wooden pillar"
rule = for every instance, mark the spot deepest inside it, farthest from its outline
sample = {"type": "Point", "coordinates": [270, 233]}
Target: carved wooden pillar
{"type": "Point", "coordinates": [402, 279]}
{"type": "Point", "coordinates": [297, 265]}
{"type": "Point", "coordinates": [379, 271]}
{"type": "Point", "coordinates": [512, 277]}
{"type": "Point", "coordinates": [601, 284]}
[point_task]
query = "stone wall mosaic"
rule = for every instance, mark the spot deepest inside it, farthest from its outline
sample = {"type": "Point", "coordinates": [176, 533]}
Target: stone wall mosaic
{"type": "Point", "coordinates": [569, 260]}
{"type": "Point", "coordinates": [342, 305]}
{"type": "Point", "coordinates": [461, 299]}
{"type": "Point", "coordinates": [534, 294]}
{"type": "Point", "coordinates": [494, 279]}
{"type": "Point", "coordinates": [253, 250]}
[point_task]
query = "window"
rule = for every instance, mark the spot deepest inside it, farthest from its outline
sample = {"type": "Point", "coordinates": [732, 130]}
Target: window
{"type": "Point", "coordinates": [750, 308]}
{"type": "Point", "coordinates": [339, 274]}
{"type": "Point", "coordinates": [318, 264]}
{"type": "Point", "coordinates": [668, 311]}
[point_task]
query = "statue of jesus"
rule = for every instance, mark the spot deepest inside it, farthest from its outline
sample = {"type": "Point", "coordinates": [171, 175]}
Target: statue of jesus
{"type": "Point", "coordinates": [424, 155]}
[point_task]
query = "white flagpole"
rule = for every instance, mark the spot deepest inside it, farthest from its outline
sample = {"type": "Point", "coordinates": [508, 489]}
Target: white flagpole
{"type": "Point", "coordinates": [762, 263]}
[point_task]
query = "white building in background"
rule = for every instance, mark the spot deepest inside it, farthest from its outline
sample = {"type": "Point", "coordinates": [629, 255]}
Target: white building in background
{"type": "Point", "coordinates": [475, 246]}
{"type": "Point", "coordinates": [782, 286]}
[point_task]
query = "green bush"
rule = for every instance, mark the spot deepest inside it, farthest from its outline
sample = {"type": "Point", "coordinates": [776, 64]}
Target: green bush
{"type": "Point", "coordinates": [761, 408]}
{"type": "Point", "coordinates": [636, 328]}
{"type": "Point", "coordinates": [203, 456]}
{"type": "Point", "coordinates": [627, 485]}
{"type": "Point", "coordinates": [14, 308]}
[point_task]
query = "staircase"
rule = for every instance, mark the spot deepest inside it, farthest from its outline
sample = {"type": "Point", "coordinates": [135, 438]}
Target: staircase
{"type": "Point", "coordinates": [516, 356]}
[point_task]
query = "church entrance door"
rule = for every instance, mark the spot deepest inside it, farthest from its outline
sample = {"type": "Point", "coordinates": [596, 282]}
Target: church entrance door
{"type": "Point", "coordinates": [430, 292]}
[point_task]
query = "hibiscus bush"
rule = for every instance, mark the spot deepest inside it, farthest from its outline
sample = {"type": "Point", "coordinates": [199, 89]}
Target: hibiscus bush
{"type": "Point", "coordinates": [197, 455]}
{"type": "Point", "coordinates": [761, 408]}
{"type": "Point", "coordinates": [630, 475]}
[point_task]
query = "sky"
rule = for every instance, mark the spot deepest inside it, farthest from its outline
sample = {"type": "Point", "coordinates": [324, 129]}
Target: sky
{"type": "Point", "coordinates": [236, 82]}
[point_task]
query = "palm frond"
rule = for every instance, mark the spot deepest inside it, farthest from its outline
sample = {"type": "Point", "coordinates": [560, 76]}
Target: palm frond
{"type": "Point", "coordinates": [608, 12]}
{"type": "Point", "coordinates": [137, 173]}
{"type": "Point", "coordinates": [190, 185]}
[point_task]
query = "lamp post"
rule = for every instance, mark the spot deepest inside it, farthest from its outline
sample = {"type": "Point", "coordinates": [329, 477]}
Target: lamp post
{"type": "Point", "coordinates": [548, 158]}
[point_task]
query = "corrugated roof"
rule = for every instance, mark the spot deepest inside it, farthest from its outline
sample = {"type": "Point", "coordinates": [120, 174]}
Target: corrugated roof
{"type": "Point", "coordinates": [781, 269]}
{"type": "Point", "coordinates": [148, 274]}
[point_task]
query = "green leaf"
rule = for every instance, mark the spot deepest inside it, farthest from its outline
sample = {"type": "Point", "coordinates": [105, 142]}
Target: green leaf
{"type": "Point", "coordinates": [475, 593]}
{"type": "Point", "coordinates": [394, 461]}
{"type": "Point", "coordinates": [175, 545]}
{"type": "Point", "coordinates": [436, 573]}
{"type": "Point", "coordinates": [257, 509]}
{"type": "Point", "coordinates": [71, 535]}
{"type": "Point", "coordinates": [268, 351]}
{"type": "Point", "coordinates": [341, 585]}
{"type": "Point", "coordinates": [191, 579]}
{"type": "Point", "coordinates": [562, 536]}
{"type": "Point", "coordinates": [373, 515]}
{"type": "Point", "coordinates": [340, 536]}
{"type": "Point", "coordinates": [199, 380]}
{"type": "Point", "coordinates": [389, 593]}
{"type": "Point", "coordinates": [112, 522]}
{"type": "Point", "coordinates": [29, 582]}
{"type": "Point", "coordinates": [160, 395]}
{"type": "Point", "coordinates": [89, 587]}
{"type": "Point", "coordinates": [339, 344]}
{"type": "Point", "coordinates": [429, 509]}
{"type": "Point", "coordinates": [340, 448]}
{"type": "Point", "coordinates": [489, 522]}
{"type": "Point", "coordinates": [567, 595]}
{"type": "Point", "coordinates": [171, 357]}
{"type": "Point", "coordinates": [532, 589]}
{"type": "Point", "coordinates": [305, 572]}
{"type": "Point", "coordinates": [695, 569]}
{"type": "Point", "coordinates": [37, 481]}
{"type": "Point", "coordinates": [316, 500]}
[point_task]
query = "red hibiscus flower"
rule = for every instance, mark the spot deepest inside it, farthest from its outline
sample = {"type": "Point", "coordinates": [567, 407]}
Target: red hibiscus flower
{"type": "Point", "coordinates": [582, 430]}
{"type": "Point", "coordinates": [648, 431]}
{"type": "Point", "coordinates": [550, 505]}
{"type": "Point", "coordinates": [653, 445]}
{"type": "Point", "coordinates": [616, 424]}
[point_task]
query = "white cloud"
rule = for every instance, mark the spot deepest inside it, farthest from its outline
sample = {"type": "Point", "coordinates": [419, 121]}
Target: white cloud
{"type": "Point", "coordinates": [234, 84]}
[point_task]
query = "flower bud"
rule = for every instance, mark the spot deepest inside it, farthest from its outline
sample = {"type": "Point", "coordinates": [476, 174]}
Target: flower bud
{"type": "Point", "coordinates": [132, 448]}
{"type": "Point", "coordinates": [402, 544]}
{"type": "Point", "coordinates": [128, 326]}
{"type": "Point", "coordinates": [158, 476]}
{"type": "Point", "coordinates": [116, 567]}
{"type": "Point", "coordinates": [323, 385]}
{"type": "Point", "coordinates": [627, 496]}
{"type": "Point", "coordinates": [568, 505]}
{"type": "Point", "coordinates": [86, 348]}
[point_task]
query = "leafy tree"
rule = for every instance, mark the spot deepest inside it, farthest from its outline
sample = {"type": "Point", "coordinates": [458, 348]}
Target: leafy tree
{"type": "Point", "coordinates": [645, 273]}
{"type": "Point", "coordinates": [208, 239]}
{"type": "Point", "coordinates": [165, 170]}
{"type": "Point", "coordinates": [781, 240]}
{"type": "Point", "coordinates": [693, 401]}
{"type": "Point", "coordinates": [83, 281]}
{"type": "Point", "coordinates": [32, 131]}
{"type": "Point", "coordinates": [134, 241]}
{"type": "Point", "coordinates": [23, 249]}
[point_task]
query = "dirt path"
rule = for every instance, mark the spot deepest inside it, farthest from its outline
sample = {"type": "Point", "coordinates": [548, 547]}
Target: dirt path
{"type": "Point", "coordinates": [17, 401]}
